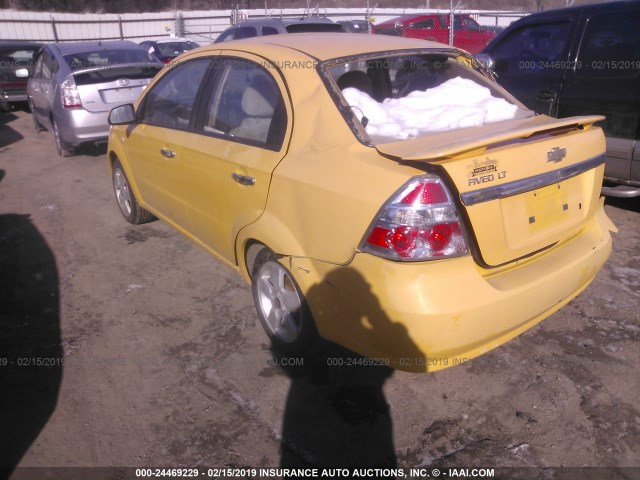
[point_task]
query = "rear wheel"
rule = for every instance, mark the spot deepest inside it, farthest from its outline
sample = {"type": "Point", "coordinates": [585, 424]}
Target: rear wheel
{"type": "Point", "coordinates": [131, 211]}
{"type": "Point", "coordinates": [64, 149]}
{"type": "Point", "coordinates": [281, 306]}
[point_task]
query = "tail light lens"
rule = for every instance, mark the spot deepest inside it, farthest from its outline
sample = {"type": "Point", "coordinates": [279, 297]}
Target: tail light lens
{"type": "Point", "coordinates": [70, 94]}
{"type": "Point", "coordinates": [419, 223]}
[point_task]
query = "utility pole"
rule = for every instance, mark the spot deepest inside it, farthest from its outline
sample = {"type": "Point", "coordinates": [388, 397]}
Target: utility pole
{"type": "Point", "coordinates": [451, 21]}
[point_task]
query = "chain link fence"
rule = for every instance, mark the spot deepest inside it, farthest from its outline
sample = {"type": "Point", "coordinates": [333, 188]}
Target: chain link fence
{"type": "Point", "coordinates": [204, 26]}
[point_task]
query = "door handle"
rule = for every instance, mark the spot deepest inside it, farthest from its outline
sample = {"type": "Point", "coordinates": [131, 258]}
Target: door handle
{"type": "Point", "coordinates": [167, 153]}
{"type": "Point", "coordinates": [243, 179]}
{"type": "Point", "coordinates": [546, 96]}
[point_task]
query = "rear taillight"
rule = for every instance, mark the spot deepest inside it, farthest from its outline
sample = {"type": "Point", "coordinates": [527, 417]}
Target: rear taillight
{"type": "Point", "coordinates": [70, 94]}
{"type": "Point", "coordinates": [420, 222]}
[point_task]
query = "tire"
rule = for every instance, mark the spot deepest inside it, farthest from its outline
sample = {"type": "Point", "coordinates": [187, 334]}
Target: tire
{"type": "Point", "coordinates": [126, 199]}
{"type": "Point", "coordinates": [64, 149]}
{"type": "Point", "coordinates": [281, 306]}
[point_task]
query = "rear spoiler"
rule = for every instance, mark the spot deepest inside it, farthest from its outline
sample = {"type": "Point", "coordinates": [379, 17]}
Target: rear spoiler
{"type": "Point", "coordinates": [474, 140]}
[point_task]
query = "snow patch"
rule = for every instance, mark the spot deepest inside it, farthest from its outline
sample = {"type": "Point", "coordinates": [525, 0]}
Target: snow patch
{"type": "Point", "coordinates": [456, 103]}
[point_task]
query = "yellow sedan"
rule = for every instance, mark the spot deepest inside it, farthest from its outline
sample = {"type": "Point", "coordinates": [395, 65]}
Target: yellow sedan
{"type": "Point", "coordinates": [382, 193]}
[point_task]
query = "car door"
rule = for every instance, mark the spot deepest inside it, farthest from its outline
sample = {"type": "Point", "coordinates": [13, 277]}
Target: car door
{"type": "Point", "coordinates": [606, 80]}
{"type": "Point", "coordinates": [244, 133]}
{"type": "Point", "coordinates": [155, 145]}
{"type": "Point", "coordinates": [42, 86]}
{"type": "Point", "coordinates": [530, 61]}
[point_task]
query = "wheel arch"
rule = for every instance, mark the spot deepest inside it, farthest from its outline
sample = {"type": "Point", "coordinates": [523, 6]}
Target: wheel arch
{"type": "Point", "coordinates": [113, 156]}
{"type": "Point", "coordinates": [267, 232]}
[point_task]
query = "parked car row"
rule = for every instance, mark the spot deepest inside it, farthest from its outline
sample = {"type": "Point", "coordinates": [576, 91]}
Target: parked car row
{"type": "Point", "coordinates": [72, 86]}
{"type": "Point", "coordinates": [409, 172]}
{"type": "Point", "coordinates": [468, 34]}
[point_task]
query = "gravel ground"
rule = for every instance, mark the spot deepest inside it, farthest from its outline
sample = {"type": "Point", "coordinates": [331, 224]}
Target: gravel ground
{"type": "Point", "coordinates": [128, 346]}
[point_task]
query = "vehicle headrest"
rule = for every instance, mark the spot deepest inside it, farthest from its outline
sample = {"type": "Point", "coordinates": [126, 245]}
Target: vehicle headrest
{"type": "Point", "coordinates": [260, 97]}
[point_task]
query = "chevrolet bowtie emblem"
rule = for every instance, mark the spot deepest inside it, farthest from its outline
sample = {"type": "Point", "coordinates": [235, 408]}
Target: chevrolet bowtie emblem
{"type": "Point", "coordinates": [556, 154]}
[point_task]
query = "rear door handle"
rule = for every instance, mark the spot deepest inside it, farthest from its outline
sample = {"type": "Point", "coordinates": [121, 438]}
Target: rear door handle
{"type": "Point", "coordinates": [167, 153]}
{"type": "Point", "coordinates": [546, 96]}
{"type": "Point", "coordinates": [243, 179]}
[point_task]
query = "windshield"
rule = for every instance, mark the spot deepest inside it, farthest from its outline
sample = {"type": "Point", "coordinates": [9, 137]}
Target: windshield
{"type": "Point", "coordinates": [107, 58]}
{"type": "Point", "coordinates": [404, 96]}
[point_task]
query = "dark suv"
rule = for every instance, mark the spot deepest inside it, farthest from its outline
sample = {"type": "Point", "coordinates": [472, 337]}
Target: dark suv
{"type": "Point", "coordinates": [578, 61]}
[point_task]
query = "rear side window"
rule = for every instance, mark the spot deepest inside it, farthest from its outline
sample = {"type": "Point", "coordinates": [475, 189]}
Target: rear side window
{"type": "Point", "coordinates": [171, 101]}
{"type": "Point", "coordinates": [531, 48]}
{"type": "Point", "coordinates": [426, 24]}
{"type": "Point", "coordinates": [246, 105]}
{"type": "Point", "coordinates": [611, 46]}
{"type": "Point", "coordinates": [46, 66]}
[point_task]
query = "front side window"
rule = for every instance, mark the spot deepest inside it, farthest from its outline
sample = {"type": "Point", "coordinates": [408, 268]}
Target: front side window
{"type": "Point", "coordinates": [610, 46]}
{"type": "Point", "coordinates": [246, 105]}
{"type": "Point", "coordinates": [171, 101]}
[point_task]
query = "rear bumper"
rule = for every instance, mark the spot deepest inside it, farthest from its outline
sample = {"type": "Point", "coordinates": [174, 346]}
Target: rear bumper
{"type": "Point", "coordinates": [429, 316]}
{"type": "Point", "coordinates": [621, 191]}
{"type": "Point", "coordinates": [7, 98]}
{"type": "Point", "coordinates": [78, 125]}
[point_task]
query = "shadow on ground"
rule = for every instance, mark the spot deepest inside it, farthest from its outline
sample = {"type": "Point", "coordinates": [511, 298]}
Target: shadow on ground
{"type": "Point", "coordinates": [30, 349]}
{"type": "Point", "coordinates": [336, 413]}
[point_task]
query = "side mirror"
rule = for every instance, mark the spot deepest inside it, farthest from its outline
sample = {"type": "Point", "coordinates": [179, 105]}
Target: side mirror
{"type": "Point", "coordinates": [22, 73]}
{"type": "Point", "coordinates": [122, 115]}
{"type": "Point", "coordinates": [486, 61]}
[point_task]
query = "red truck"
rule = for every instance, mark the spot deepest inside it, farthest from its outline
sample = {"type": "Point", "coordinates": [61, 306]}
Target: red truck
{"type": "Point", "coordinates": [467, 33]}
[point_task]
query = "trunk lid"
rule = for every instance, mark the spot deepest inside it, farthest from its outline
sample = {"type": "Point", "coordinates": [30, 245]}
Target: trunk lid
{"type": "Point", "coordinates": [524, 184]}
{"type": "Point", "coordinates": [104, 88]}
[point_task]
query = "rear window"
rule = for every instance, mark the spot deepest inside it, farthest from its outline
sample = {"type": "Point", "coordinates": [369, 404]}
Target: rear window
{"type": "Point", "coordinates": [105, 75]}
{"type": "Point", "coordinates": [314, 27]}
{"type": "Point", "coordinates": [18, 57]}
{"type": "Point", "coordinates": [107, 58]}
{"type": "Point", "coordinates": [175, 48]}
{"type": "Point", "coordinates": [409, 95]}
